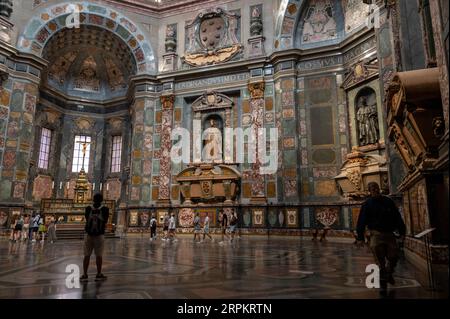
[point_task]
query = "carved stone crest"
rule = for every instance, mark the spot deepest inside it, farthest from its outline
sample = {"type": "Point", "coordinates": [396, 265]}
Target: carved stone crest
{"type": "Point", "coordinates": [360, 72]}
{"type": "Point", "coordinates": [211, 100]}
{"type": "Point", "coordinates": [212, 38]}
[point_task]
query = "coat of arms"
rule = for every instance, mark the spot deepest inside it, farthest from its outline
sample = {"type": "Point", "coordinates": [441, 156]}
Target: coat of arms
{"type": "Point", "coordinates": [212, 38]}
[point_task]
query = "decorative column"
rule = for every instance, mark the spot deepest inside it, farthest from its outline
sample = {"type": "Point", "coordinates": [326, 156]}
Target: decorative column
{"type": "Point", "coordinates": [142, 186]}
{"type": "Point", "coordinates": [256, 40]}
{"type": "Point", "coordinates": [256, 90]}
{"type": "Point", "coordinates": [18, 98]}
{"type": "Point", "coordinates": [167, 103]}
{"type": "Point", "coordinates": [170, 58]}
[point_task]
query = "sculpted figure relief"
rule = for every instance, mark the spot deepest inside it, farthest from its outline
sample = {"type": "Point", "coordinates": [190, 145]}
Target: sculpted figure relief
{"type": "Point", "coordinates": [367, 118]}
{"type": "Point", "coordinates": [212, 151]}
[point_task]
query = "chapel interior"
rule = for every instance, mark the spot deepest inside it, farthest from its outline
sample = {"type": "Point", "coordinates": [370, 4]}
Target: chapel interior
{"type": "Point", "coordinates": [336, 93]}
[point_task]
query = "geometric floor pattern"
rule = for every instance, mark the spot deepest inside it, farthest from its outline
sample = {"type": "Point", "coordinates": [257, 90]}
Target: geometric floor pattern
{"type": "Point", "coordinates": [251, 267]}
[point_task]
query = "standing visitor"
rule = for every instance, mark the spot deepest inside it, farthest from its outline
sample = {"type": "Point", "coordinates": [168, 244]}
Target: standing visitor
{"type": "Point", "coordinates": [172, 228]}
{"type": "Point", "coordinates": [197, 227]}
{"type": "Point", "coordinates": [96, 220]}
{"type": "Point", "coordinates": [224, 226]}
{"type": "Point", "coordinates": [26, 228]}
{"type": "Point", "coordinates": [42, 229]}
{"type": "Point", "coordinates": [35, 227]}
{"type": "Point", "coordinates": [206, 228]}
{"type": "Point", "coordinates": [153, 228]}
{"type": "Point", "coordinates": [52, 230]}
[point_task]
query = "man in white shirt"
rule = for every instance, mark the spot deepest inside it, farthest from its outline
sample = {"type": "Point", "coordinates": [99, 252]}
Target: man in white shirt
{"type": "Point", "coordinates": [206, 228]}
{"type": "Point", "coordinates": [172, 228]}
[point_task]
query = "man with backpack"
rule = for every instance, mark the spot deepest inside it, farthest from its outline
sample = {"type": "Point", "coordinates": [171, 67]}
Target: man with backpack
{"type": "Point", "coordinates": [96, 220]}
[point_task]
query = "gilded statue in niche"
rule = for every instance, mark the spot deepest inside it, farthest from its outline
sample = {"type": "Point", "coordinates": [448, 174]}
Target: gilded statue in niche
{"type": "Point", "coordinates": [367, 120]}
{"type": "Point", "coordinates": [87, 79]}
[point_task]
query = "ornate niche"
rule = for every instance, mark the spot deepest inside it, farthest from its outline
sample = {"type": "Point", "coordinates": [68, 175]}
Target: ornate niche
{"type": "Point", "coordinates": [211, 176]}
{"type": "Point", "coordinates": [364, 105]}
{"type": "Point", "coordinates": [213, 111]}
{"type": "Point", "coordinates": [212, 38]}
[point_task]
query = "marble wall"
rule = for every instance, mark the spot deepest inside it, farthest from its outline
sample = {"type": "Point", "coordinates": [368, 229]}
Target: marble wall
{"type": "Point", "coordinates": [303, 97]}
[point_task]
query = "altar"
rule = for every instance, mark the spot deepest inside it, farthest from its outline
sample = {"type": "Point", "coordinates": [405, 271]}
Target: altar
{"type": "Point", "coordinates": [70, 212]}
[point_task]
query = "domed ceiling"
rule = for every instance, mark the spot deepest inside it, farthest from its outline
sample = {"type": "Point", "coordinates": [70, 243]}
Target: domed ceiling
{"type": "Point", "coordinates": [88, 62]}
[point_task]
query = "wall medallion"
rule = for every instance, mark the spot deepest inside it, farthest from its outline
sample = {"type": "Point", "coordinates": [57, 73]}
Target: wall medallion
{"type": "Point", "coordinates": [212, 38]}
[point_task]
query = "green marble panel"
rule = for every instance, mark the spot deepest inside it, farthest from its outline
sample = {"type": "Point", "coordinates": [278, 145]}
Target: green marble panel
{"type": "Point", "coordinates": [149, 117]}
{"type": "Point", "coordinates": [290, 158]}
{"type": "Point", "coordinates": [137, 167]}
{"type": "Point", "coordinates": [137, 141]}
{"type": "Point", "coordinates": [145, 193]}
{"type": "Point", "coordinates": [156, 167]}
{"type": "Point", "coordinates": [5, 189]}
{"type": "Point", "coordinates": [22, 161]}
{"type": "Point", "coordinates": [93, 8]}
{"type": "Point", "coordinates": [156, 141]}
{"type": "Point", "coordinates": [123, 32]}
{"type": "Point", "coordinates": [269, 90]}
{"type": "Point", "coordinates": [289, 127]}
{"type": "Point", "coordinates": [319, 96]}
{"type": "Point", "coordinates": [2, 127]}
{"type": "Point", "coordinates": [17, 101]}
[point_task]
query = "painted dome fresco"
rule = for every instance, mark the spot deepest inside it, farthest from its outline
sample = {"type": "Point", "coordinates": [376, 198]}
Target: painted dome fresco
{"type": "Point", "coordinates": [88, 62]}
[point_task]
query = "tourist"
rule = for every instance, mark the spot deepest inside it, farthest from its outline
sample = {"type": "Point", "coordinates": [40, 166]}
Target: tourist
{"type": "Point", "coordinates": [30, 228]}
{"type": "Point", "coordinates": [382, 218]}
{"type": "Point", "coordinates": [172, 228]}
{"type": "Point", "coordinates": [26, 228]}
{"type": "Point", "coordinates": [233, 225]}
{"type": "Point", "coordinates": [52, 230]}
{"type": "Point", "coordinates": [224, 226]}
{"type": "Point", "coordinates": [35, 226]}
{"type": "Point", "coordinates": [166, 227]}
{"type": "Point", "coordinates": [42, 229]}
{"type": "Point", "coordinates": [153, 228]}
{"type": "Point", "coordinates": [206, 228]}
{"type": "Point", "coordinates": [96, 220]}
{"type": "Point", "coordinates": [17, 229]}
{"type": "Point", "coordinates": [197, 227]}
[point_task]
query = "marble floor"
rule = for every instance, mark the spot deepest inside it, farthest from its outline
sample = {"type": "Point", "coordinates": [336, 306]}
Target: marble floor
{"type": "Point", "coordinates": [251, 267]}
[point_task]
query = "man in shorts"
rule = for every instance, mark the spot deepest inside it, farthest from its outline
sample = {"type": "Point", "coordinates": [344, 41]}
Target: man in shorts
{"type": "Point", "coordinates": [206, 228]}
{"type": "Point", "coordinates": [96, 220]}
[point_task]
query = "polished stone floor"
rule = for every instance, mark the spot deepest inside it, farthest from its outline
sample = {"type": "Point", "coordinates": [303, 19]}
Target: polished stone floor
{"type": "Point", "coordinates": [251, 267]}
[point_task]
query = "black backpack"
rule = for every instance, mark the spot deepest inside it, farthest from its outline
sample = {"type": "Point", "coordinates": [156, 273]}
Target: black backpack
{"type": "Point", "coordinates": [94, 224]}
